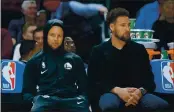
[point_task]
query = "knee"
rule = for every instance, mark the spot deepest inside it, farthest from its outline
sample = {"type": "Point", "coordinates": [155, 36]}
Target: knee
{"type": "Point", "coordinates": [109, 101]}
{"type": "Point", "coordinates": [153, 102]}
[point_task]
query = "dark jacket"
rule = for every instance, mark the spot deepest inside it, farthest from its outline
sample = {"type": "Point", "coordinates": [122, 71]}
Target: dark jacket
{"type": "Point", "coordinates": [55, 72]}
{"type": "Point", "coordinates": [110, 67]}
{"type": "Point", "coordinates": [15, 28]}
{"type": "Point", "coordinates": [165, 32]}
{"type": "Point", "coordinates": [54, 76]}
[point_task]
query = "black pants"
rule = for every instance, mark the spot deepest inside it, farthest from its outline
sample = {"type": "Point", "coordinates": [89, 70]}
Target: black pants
{"type": "Point", "coordinates": [42, 103]}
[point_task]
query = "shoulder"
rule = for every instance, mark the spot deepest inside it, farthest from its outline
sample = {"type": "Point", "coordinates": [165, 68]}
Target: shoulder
{"type": "Point", "coordinates": [158, 22]}
{"type": "Point", "coordinates": [136, 46]}
{"type": "Point", "coordinates": [17, 21]}
{"type": "Point", "coordinates": [159, 25]}
{"type": "Point", "coordinates": [72, 55]}
{"type": "Point", "coordinates": [33, 65]}
{"type": "Point", "coordinates": [105, 46]}
{"type": "Point", "coordinates": [14, 21]}
{"type": "Point", "coordinates": [12, 24]}
{"type": "Point", "coordinates": [37, 57]}
{"type": "Point", "coordinates": [34, 61]}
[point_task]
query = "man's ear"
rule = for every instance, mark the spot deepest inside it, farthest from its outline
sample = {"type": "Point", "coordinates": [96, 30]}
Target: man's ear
{"type": "Point", "coordinates": [23, 36]}
{"type": "Point", "coordinates": [111, 26]}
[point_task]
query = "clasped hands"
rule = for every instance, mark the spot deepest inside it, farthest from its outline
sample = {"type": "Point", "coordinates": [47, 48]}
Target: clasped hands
{"type": "Point", "coordinates": [129, 95]}
{"type": "Point", "coordinates": [134, 96]}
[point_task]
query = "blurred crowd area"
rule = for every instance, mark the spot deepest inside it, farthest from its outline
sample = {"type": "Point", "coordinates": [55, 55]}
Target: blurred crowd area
{"type": "Point", "coordinates": [11, 9]}
{"type": "Point", "coordinates": [84, 22]}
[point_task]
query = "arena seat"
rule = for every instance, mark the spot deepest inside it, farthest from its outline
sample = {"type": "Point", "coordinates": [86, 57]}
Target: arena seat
{"type": "Point", "coordinates": [11, 86]}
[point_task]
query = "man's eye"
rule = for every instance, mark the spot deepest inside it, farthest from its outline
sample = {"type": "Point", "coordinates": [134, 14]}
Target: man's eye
{"type": "Point", "coordinates": [53, 35]}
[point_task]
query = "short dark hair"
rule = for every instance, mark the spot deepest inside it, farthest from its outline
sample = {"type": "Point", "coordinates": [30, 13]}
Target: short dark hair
{"type": "Point", "coordinates": [115, 13]}
{"type": "Point", "coordinates": [38, 29]}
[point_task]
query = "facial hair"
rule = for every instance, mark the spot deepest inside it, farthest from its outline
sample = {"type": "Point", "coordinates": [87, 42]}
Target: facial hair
{"type": "Point", "coordinates": [122, 38]}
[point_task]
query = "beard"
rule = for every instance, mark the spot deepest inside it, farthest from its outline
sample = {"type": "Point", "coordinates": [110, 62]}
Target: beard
{"type": "Point", "coordinates": [57, 51]}
{"type": "Point", "coordinates": [122, 38]}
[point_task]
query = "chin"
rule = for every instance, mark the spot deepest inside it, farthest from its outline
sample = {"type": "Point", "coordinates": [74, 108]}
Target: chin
{"type": "Point", "coordinates": [127, 38]}
{"type": "Point", "coordinates": [54, 48]}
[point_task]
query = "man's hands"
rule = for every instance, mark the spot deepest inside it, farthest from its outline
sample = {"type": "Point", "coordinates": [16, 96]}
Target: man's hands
{"type": "Point", "coordinates": [129, 95]}
{"type": "Point", "coordinates": [134, 99]}
{"type": "Point", "coordinates": [103, 10]}
{"type": "Point", "coordinates": [131, 89]}
{"type": "Point", "coordinates": [122, 93]}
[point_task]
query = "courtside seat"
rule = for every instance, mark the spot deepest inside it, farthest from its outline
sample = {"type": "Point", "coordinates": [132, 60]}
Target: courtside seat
{"type": "Point", "coordinates": [11, 85]}
{"type": "Point", "coordinates": [12, 76]}
{"type": "Point", "coordinates": [163, 70]}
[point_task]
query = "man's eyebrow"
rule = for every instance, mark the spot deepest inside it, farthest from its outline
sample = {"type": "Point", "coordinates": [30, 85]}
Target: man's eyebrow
{"type": "Point", "coordinates": [52, 34]}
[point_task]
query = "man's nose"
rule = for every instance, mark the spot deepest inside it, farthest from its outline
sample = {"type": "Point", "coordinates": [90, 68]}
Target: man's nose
{"type": "Point", "coordinates": [56, 38]}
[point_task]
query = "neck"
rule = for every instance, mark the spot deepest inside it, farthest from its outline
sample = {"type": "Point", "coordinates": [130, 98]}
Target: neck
{"type": "Point", "coordinates": [29, 20]}
{"type": "Point", "coordinates": [119, 44]}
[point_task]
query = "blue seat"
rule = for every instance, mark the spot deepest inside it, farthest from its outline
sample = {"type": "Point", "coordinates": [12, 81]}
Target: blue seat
{"type": "Point", "coordinates": [163, 71]}
{"type": "Point", "coordinates": [12, 76]}
{"type": "Point", "coordinates": [11, 87]}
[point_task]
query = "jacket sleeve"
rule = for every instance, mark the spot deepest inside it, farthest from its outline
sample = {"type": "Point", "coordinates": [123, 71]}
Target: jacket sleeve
{"type": "Point", "coordinates": [12, 29]}
{"type": "Point", "coordinates": [30, 80]}
{"type": "Point", "coordinates": [140, 19]}
{"type": "Point", "coordinates": [99, 82]}
{"type": "Point", "coordinates": [147, 74]}
{"type": "Point", "coordinates": [85, 10]}
{"type": "Point", "coordinates": [81, 76]}
{"type": "Point", "coordinates": [59, 11]}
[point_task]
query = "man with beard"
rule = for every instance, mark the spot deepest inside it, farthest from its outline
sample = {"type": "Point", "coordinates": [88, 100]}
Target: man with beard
{"type": "Point", "coordinates": [119, 71]}
{"type": "Point", "coordinates": [59, 76]}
